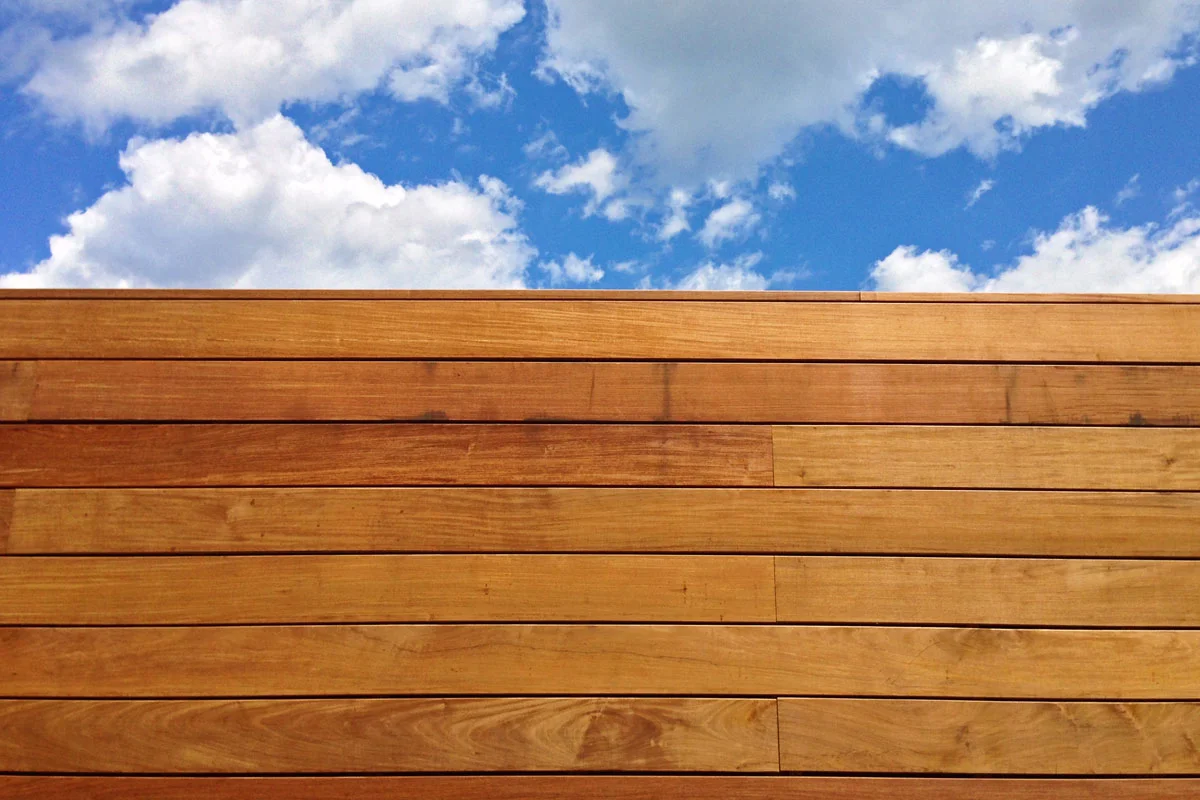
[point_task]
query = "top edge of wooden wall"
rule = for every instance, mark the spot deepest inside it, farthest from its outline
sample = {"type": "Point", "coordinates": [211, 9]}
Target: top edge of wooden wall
{"type": "Point", "coordinates": [587, 294]}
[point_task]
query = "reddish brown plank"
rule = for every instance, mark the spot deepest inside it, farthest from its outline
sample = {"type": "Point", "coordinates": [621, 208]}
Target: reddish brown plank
{"type": "Point", "coordinates": [614, 329]}
{"type": "Point", "coordinates": [18, 382]}
{"type": "Point", "coordinates": [1122, 524]}
{"type": "Point", "coordinates": [390, 735]}
{"type": "Point", "coordinates": [988, 737]}
{"type": "Point", "coordinates": [381, 454]}
{"type": "Point", "coordinates": [590, 787]}
{"type": "Point", "coordinates": [474, 391]}
{"type": "Point", "coordinates": [188, 590]}
{"type": "Point", "coordinates": [762, 660]}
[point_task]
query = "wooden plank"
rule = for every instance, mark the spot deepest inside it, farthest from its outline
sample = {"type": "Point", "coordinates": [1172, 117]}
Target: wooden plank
{"type": "Point", "coordinates": [7, 500]}
{"type": "Point", "coordinates": [989, 737]}
{"type": "Point", "coordinates": [616, 329]}
{"type": "Point", "coordinates": [389, 735]}
{"type": "Point", "coordinates": [764, 660]}
{"type": "Point", "coordinates": [474, 391]}
{"type": "Point", "coordinates": [590, 787]}
{"type": "Point", "coordinates": [657, 295]}
{"type": "Point", "coordinates": [987, 457]}
{"type": "Point", "coordinates": [381, 454]}
{"type": "Point", "coordinates": [18, 381]}
{"type": "Point", "coordinates": [593, 295]}
{"type": "Point", "coordinates": [1015, 297]}
{"type": "Point", "coordinates": [1128, 524]}
{"type": "Point", "coordinates": [382, 588]}
{"type": "Point", "coordinates": [988, 591]}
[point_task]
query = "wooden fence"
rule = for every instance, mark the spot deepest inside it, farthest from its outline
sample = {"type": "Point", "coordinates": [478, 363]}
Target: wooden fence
{"type": "Point", "coordinates": [401, 545]}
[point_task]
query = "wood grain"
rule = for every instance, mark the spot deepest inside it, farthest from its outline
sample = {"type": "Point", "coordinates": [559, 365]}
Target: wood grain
{"type": "Point", "coordinates": [590, 787]}
{"type": "Point", "coordinates": [389, 735]}
{"type": "Point", "coordinates": [18, 382]}
{"type": "Point", "coordinates": [1125, 524]}
{"type": "Point", "coordinates": [616, 329]}
{"type": "Point", "coordinates": [601, 391]}
{"type": "Point", "coordinates": [988, 591]}
{"type": "Point", "coordinates": [519, 391]}
{"type": "Point", "coordinates": [384, 588]}
{"type": "Point", "coordinates": [989, 737]}
{"type": "Point", "coordinates": [449, 659]}
{"type": "Point", "coordinates": [374, 454]}
{"type": "Point", "coordinates": [658, 295]}
{"type": "Point", "coordinates": [987, 457]}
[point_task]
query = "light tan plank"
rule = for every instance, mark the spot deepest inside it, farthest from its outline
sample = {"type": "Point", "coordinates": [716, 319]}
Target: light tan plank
{"type": "Point", "coordinates": [987, 591]}
{"type": "Point", "coordinates": [390, 735]}
{"type": "Point", "coordinates": [987, 457]}
{"type": "Point", "coordinates": [989, 737]}
{"type": "Point", "coordinates": [382, 454]}
{"type": "Point", "coordinates": [381, 588]}
{"type": "Point", "coordinates": [1132, 524]}
{"type": "Point", "coordinates": [589, 330]}
{"type": "Point", "coordinates": [763, 660]}
{"type": "Point", "coordinates": [590, 787]}
{"type": "Point", "coordinates": [600, 391]}
{"type": "Point", "coordinates": [1015, 297]}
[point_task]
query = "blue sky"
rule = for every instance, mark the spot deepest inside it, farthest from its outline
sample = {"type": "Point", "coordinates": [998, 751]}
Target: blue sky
{"type": "Point", "coordinates": [1012, 146]}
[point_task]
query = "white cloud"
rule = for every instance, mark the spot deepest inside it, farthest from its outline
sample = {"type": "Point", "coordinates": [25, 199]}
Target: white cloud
{"type": "Point", "coordinates": [265, 208]}
{"type": "Point", "coordinates": [781, 191]}
{"type": "Point", "coordinates": [907, 270]}
{"type": "Point", "coordinates": [676, 221]}
{"type": "Point", "coordinates": [597, 175]}
{"type": "Point", "coordinates": [572, 269]}
{"type": "Point", "coordinates": [731, 220]}
{"type": "Point", "coordinates": [246, 58]}
{"type": "Point", "coordinates": [546, 146]}
{"type": "Point", "coordinates": [714, 91]}
{"type": "Point", "coordinates": [985, 186]}
{"type": "Point", "coordinates": [737, 276]}
{"type": "Point", "coordinates": [1085, 254]}
{"type": "Point", "coordinates": [1130, 190]}
{"type": "Point", "coordinates": [1182, 193]}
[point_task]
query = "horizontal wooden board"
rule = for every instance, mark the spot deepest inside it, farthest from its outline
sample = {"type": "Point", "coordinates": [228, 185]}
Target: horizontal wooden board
{"type": "Point", "coordinates": [382, 454]}
{"type": "Point", "coordinates": [598, 391]}
{"type": "Point", "coordinates": [987, 457]}
{"type": "Point", "coordinates": [590, 787]}
{"type": "Point", "coordinates": [540, 295]}
{"type": "Point", "coordinates": [988, 591]}
{"type": "Point", "coordinates": [657, 295]}
{"type": "Point", "coordinates": [1129, 524]}
{"type": "Point", "coordinates": [384, 588]}
{"type": "Point", "coordinates": [553, 659]}
{"type": "Point", "coordinates": [616, 329]}
{"type": "Point", "coordinates": [989, 737]}
{"type": "Point", "coordinates": [389, 735]}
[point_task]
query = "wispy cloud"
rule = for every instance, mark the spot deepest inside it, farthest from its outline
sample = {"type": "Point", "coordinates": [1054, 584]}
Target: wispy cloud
{"type": "Point", "coordinates": [985, 186]}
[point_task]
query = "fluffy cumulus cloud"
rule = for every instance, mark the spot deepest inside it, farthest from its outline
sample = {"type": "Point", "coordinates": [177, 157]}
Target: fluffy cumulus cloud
{"type": "Point", "coordinates": [264, 208]}
{"type": "Point", "coordinates": [598, 176]}
{"type": "Point", "coordinates": [731, 220]}
{"type": "Point", "coordinates": [572, 270]}
{"type": "Point", "coordinates": [715, 91]}
{"type": "Point", "coordinates": [1085, 254]}
{"type": "Point", "coordinates": [740, 275]}
{"type": "Point", "coordinates": [245, 58]}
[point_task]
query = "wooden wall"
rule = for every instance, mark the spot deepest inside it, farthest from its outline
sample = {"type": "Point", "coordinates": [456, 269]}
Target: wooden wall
{"type": "Point", "coordinates": [447, 545]}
